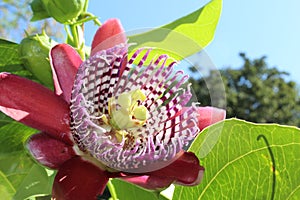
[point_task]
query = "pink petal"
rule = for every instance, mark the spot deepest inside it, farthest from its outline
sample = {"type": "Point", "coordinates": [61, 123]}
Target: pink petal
{"type": "Point", "coordinates": [108, 35]}
{"type": "Point", "coordinates": [78, 179]}
{"type": "Point", "coordinates": [209, 115]}
{"type": "Point", "coordinates": [65, 62]}
{"type": "Point", "coordinates": [48, 151]}
{"type": "Point", "coordinates": [184, 171]}
{"type": "Point", "coordinates": [34, 105]}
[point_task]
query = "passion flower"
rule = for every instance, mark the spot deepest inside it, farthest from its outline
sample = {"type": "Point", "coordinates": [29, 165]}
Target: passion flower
{"type": "Point", "coordinates": [131, 120]}
{"type": "Point", "coordinates": [109, 118]}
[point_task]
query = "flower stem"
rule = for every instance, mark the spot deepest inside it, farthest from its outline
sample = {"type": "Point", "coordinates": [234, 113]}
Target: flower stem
{"type": "Point", "coordinates": [85, 8]}
{"type": "Point", "coordinates": [89, 18]}
{"type": "Point", "coordinates": [112, 190]}
{"type": "Point", "coordinates": [75, 35]}
{"type": "Point", "coordinates": [69, 35]}
{"type": "Point", "coordinates": [77, 42]}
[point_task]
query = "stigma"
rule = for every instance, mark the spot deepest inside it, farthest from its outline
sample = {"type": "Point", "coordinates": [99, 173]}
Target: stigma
{"type": "Point", "coordinates": [127, 111]}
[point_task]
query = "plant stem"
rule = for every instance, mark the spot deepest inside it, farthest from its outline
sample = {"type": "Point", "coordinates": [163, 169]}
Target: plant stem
{"type": "Point", "coordinates": [94, 18]}
{"type": "Point", "coordinates": [96, 21]}
{"type": "Point", "coordinates": [86, 5]}
{"type": "Point", "coordinates": [76, 40]}
{"type": "Point", "coordinates": [112, 190]}
{"type": "Point", "coordinates": [75, 35]}
{"type": "Point", "coordinates": [69, 35]}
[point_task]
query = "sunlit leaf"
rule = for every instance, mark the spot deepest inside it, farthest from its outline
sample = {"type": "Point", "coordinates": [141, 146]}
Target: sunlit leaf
{"type": "Point", "coordinates": [15, 166]}
{"type": "Point", "coordinates": [36, 183]}
{"type": "Point", "coordinates": [184, 36]}
{"type": "Point", "coordinates": [6, 189]}
{"type": "Point", "coordinates": [237, 157]}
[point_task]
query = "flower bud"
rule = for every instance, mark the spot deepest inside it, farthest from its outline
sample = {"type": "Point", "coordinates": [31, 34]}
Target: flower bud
{"type": "Point", "coordinates": [38, 10]}
{"type": "Point", "coordinates": [64, 11]}
{"type": "Point", "coordinates": [34, 53]}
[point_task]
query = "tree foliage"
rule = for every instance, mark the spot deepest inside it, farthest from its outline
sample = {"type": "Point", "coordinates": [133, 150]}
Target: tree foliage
{"type": "Point", "coordinates": [254, 92]}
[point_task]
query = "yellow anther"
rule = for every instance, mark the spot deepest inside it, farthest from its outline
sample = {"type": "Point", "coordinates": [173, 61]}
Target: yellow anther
{"type": "Point", "coordinates": [140, 113]}
{"type": "Point", "coordinates": [138, 95]}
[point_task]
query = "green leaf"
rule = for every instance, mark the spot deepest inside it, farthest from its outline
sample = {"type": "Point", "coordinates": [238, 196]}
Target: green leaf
{"type": "Point", "coordinates": [237, 157]}
{"type": "Point", "coordinates": [184, 36]}
{"type": "Point", "coordinates": [15, 166]}
{"type": "Point", "coordinates": [128, 191]}
{"type": "Point", "coordinates": [18, 172]}
{"type": "Point", "coordinates": [6, 189]}
{"type": "Point", "coordinates": [36, 183]}
{"type": "Point", "coordinates": [13, 137]}
{"type": "Point", "coordinates": [9, 55]}
{"type": "Point", "coordinates": [10, 60]}
{"type": "Point", "coordinates": [4, 119]}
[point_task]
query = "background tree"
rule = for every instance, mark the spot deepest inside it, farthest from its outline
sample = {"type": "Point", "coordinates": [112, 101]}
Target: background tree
{"type": "Point", "coordinates": [254, 92]}
{"type": "Point", "coordinates": [15, 21]}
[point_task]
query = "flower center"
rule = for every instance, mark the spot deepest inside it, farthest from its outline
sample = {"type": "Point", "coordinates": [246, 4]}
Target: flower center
{"type": "Point", "coordinates": [126, 112]}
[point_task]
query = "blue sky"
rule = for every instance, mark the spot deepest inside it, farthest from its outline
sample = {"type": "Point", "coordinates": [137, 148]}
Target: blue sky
{"type": "Point", "coordinates": [256, 27]}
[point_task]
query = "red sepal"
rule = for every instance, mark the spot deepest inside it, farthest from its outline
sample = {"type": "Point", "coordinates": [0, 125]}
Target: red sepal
{"type": "Point", "coordinates": [49, 151]}
{"type": "Point", "coordinates": [186, 170]}
{"type": "Point", "coordinates": [111, 33]}
{"type": "Point", "coordinates": [35, 105]}
{"type": "Point", "coordinates": [79, 179]}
